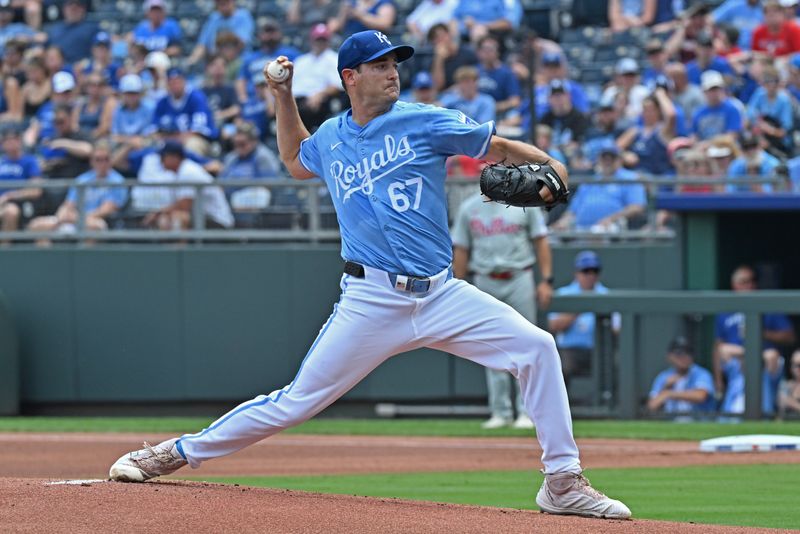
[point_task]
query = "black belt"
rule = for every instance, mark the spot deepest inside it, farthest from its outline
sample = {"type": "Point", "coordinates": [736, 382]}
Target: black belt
{"type": "Point", "coordinates": [403, 282]}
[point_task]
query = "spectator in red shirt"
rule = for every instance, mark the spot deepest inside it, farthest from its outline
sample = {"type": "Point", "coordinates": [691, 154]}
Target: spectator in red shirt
{"type": "Point", "coordinates": [777, 36]}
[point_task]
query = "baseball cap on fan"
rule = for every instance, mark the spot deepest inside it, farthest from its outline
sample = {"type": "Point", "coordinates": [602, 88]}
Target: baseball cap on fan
{"type": "Point", "coordinates": [587, 259]}
{"type": "Point", "coordinates": [63, 81]}
{"type": "Point", "coordinates": [366, 46]}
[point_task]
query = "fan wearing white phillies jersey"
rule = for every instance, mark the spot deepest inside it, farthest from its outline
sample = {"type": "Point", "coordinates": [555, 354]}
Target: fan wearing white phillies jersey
{"type": "Point", "coordinates": [384, 164]}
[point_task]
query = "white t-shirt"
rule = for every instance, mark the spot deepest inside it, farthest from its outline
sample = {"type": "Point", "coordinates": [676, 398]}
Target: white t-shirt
{"type": "Point", "coordinates": [313, 73]}
{"type": "Point", "coordinates": [152, 171]}
{"type": "Point", "coordinates": [428, 13]}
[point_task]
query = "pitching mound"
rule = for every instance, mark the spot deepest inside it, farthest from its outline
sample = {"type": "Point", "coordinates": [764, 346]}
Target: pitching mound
{"type": "Point", "coordinates": [36, 505]}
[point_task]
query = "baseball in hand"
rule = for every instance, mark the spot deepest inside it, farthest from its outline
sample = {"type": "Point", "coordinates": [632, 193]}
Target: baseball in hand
{"type": "Point", "coordinates": [276, 72]}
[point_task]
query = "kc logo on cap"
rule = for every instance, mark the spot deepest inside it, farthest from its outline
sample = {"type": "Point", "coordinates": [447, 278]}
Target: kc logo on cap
{"type": "Point", "coordinates": [366, 46]}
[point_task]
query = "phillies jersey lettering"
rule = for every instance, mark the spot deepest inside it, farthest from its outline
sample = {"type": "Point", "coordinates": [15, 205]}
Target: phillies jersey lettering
{"type": "Point", "coordinates": [387, 182]}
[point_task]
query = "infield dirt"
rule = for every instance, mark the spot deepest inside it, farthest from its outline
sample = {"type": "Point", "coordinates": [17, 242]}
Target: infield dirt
{"type": "Point", "coordinates": [28, 503]}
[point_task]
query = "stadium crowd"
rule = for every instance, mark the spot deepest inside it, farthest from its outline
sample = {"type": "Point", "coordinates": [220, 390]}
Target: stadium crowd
{"type": "Point", "coordinates": [172, 90]}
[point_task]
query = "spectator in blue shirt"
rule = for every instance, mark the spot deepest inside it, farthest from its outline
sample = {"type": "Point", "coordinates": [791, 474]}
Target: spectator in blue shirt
{"type": "Point", "coordinates": [258, 110]}
{"type": "Point", "coordinates": [706, 59]}
{"type": "Point", "coordinates": [226, 17]}
{"type": "Point", "coordinates": [574, 332]}
{"type": "Point", "coordinates": [647, 143]}
{"type": "Point", "coordinates": [657, 60]}
{"type": "Point", "coordinates": [626, 14]}
{"type": "Point", "coordinates": [16, 31]}
{"type": "Point", "coordinates": [729, 353]}
{"type": "Point", "coordinates": [754, 161]}
{"type": "Point", "coordinates": [467, 99]}
{"type": "Point", "coordinates": [132, 119]}
{"type": "Point", "coordinates": [719, 115]}
{"type": "Point", "coordinates": [15, 165]}
{"type": "Point", "coordinates": [605, 206]}
{"type": "Point", "coordinates": [251, 160]}
{"type": "Point", "coordinates": [496, 79]}
{"type": "Point", "coordinates": [188, 110]}
{"type": "Point", "coordinates": [745, 15]}
{"type": "Point", "coordinates": [475, 18]}
{"type": "Point", "coordinates": [554, 68]}
{"type": "Point", "coordinates": [685, 387]}
{"type": "Point", "coordinates": [771, 112]}
{"type": "Point", "coordinates": [158, 32]}
{"type": "Point", "coordinates": [74, 35]}
{"type": "Point", "coordinates": [101, 62]}
{"type": "Point", "coordinates": [422, 89]}
{"type": "Point", "coordinates": [97, 204]}
{"type": "Point", "coordinates": [361, 15]}
{"type": "Point", "coordinates": [270, 47]}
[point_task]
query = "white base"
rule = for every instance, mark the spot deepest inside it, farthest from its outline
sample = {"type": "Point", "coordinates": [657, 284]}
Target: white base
{"type": "Point", "coordinates": [751, 443]}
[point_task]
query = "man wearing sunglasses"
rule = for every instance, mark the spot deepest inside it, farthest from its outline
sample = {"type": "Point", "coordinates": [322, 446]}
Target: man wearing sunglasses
{"type": "Point", "coordinates": [575, 331]}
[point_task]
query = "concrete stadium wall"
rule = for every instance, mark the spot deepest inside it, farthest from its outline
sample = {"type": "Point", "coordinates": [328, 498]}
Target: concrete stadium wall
{"type": "Point", "coordinates": [219, 323]}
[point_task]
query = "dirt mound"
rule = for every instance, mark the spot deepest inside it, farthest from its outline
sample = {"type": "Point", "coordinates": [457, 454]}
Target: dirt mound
{"type": "Point", "coordinates": [35, 505]}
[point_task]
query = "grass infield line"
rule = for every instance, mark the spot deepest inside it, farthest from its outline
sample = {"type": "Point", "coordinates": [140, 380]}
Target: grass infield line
{"type": "Point", "coordinates": [610, 429]}
{"type": "Point", "coordinates": [741, 495]}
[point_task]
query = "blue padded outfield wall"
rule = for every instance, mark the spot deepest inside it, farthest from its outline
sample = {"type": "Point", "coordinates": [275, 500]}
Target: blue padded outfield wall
{"type": "Point", "coordinates": [220, 323]}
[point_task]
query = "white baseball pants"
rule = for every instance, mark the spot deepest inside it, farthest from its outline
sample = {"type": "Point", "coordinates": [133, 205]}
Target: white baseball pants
{"type": "Point", "coordinates": [372, 322]}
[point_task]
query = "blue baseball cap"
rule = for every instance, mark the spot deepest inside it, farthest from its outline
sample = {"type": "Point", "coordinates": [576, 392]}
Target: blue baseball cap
{"type": "Point", "coordinates": [173, 72]}
{"type": "Point", "coordinates": [608, 146]}
{"type": "Point", "coordinates": [366, 46]}
{"type": "Point", "coordinates": [587, 259]}
{"type": "Point", "coordinates": [172, 146]}
{"type": "Point", "coordinates": [551, 58]}
{"type": "Point", "coordinates": [102, 38]}
{"type": "Point", "coordinates": [422, 80]}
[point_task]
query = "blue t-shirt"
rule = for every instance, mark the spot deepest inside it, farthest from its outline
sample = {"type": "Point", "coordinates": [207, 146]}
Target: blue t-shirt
{"type": "Point", "coordinates": [158, 39]}
{"type": "Point", "coordinates": [719, 64]}
{"type": "Point", "coordinates": [794, 173]}
{"type": "Point", "coordinates": [500, 83]}
{"type": "Point", "coordinates": [711, 121]}
{"type": "Point", "coordinates": [74, 40]}
{"type": "Point", "coordinates": [24, 168]}
{"type": "Point", "coordinates": [480, 109]}
{"type": "Point", "coordinates": [254, 62]}
{"type": "Point", "coordinates": [255, 111]}
{"type": "Point", "coordinates": [94, 197]}
{"type": "Point", "coordinates": [779, 109]}
{"type": "Point", "coordinates": [580, 100]}
{"type": "Point", "coordinates": [190, 114]}
{"type": "Point", "coordinates": [580, 334]}
{"type": "Point", "coordinates": [652, 152]}
{"type": "Point", "coordinates": [741, 15]}
{"type": "Point", "coordinates": [729, 327]}
{"type": "Point", "coordinates": [387, 182]}
{"type": "Point", "coordinates": [595, 201]}
{"type": "Point", "coordinates": [485, 11]}
{"type": "Point", "coordinates": [131, 121]}
{"type": "Point", "coordinates": [738, 169]}
{"type": "Point", "coordinates": [240, 23]}
{"type": "Point", "coordinates": [696, 378]}
{"type": "Point", "coordinates": [354, 25]}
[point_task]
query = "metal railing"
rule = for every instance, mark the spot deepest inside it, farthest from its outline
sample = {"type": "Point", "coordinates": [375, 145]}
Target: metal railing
{"type": "Point", "coordinates": [311, 218]}
{"type": "Point", "coordinates": [632, 304]}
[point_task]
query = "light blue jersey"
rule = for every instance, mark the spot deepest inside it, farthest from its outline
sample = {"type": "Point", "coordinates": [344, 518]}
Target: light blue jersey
{"type": "Point", "coordinates": [387, 182]}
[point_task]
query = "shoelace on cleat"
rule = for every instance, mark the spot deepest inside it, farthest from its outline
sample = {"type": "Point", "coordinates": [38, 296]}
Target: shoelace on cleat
{"type": "Point", "coordinates": [162, 455]}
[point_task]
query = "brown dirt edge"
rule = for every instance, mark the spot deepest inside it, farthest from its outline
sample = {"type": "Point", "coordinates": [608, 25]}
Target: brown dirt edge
{"type": "Point", "coordinates": [31, 505]}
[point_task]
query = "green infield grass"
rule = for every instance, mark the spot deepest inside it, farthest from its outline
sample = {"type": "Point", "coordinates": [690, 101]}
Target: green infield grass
{"type": "Point", "coordinates": [662, 430]}
{"type": "Point", "coordinates": [744, 495]}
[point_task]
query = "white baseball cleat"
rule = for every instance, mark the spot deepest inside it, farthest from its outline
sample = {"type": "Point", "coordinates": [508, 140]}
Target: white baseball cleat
{"type": "Point", "coordinates": [523, 422]}
{"type": "Point", "coordinates": [147, 463]}
{"type": "Point", "coordinates": [571, 494]}
{"type": "Point", "coordinates": [495, 422]}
